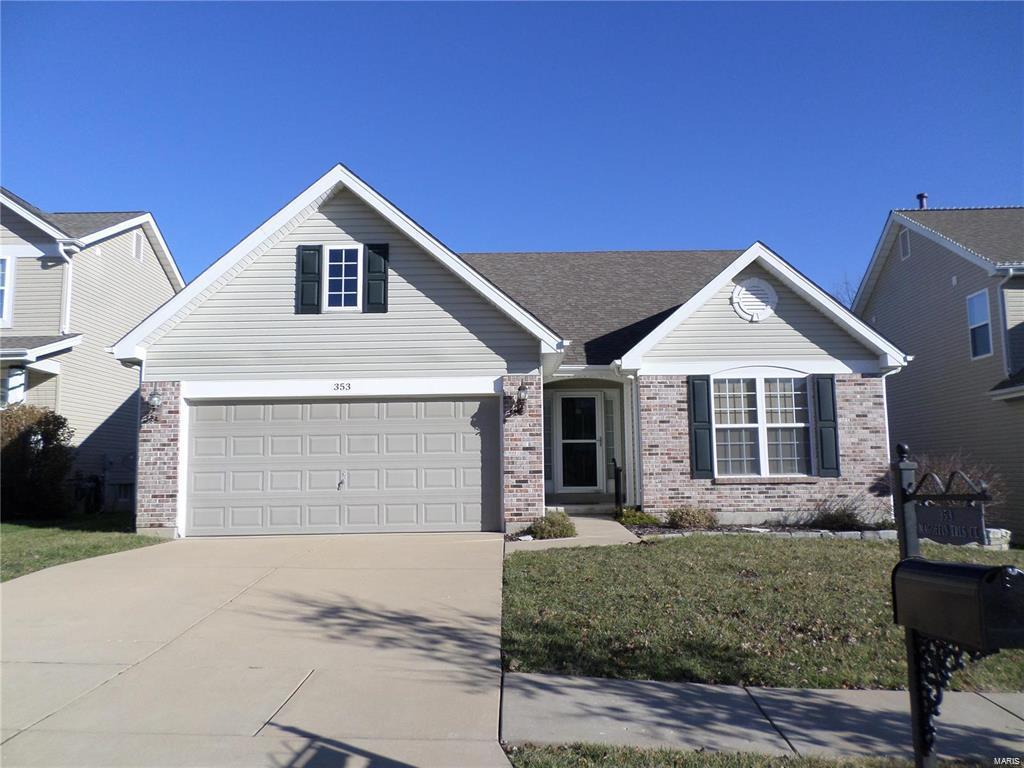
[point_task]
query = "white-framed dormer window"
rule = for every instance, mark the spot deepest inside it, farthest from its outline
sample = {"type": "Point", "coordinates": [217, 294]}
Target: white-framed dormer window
{"type": "Point", "coordinates": [904, 244]}
{"type": "Point", "coordinates": [7, 266]}
{"type": "Point", "coordinates": [343, 271]}
{"type": "Point", "coordinates": [138, 252]}
{"type": "Point", "coordinates": [762, 426]}
{"type": "Point", "coordinates": [978, 324]}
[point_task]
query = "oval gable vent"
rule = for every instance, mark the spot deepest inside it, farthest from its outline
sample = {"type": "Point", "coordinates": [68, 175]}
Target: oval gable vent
{"type": "Point", "coordinates": [754, 299]}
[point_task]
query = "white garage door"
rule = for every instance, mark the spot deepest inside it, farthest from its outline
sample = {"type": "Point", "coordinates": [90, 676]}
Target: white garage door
{"type": "Point", "coordinates": [343, 466]}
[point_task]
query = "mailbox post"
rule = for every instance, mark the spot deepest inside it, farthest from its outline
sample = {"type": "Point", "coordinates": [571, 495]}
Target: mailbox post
{"type": "Point", "coordinates": [951, 612]}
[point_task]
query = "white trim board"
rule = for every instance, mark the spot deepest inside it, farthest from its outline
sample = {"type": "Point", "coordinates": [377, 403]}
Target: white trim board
{"type": "Point", "coordinates": [341, 387]}
{"type": "Point", "coordinates": [33, 354]}
{"type": "Point", "coordinates": [794, 365]}
{"type": "Point", "coordinates": [889, 355]}
{"type": "Point", "coordinates": [133, 345]}
{"type": "Point", "coordinates": [32, 219]}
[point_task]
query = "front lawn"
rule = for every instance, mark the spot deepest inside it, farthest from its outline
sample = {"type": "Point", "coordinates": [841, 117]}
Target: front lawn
{"type": "Point", "coordinates": [599, 756]}
{"type": "Point", "coordinates": [802, 613]}
{"type": "Point", "coordinates": [31, 546]}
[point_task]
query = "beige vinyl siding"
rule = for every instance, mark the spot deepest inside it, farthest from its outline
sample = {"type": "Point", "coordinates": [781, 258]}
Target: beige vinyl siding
{"type": "Point", "coordinates": [435, 325]}
{"type": "Point", "coordinates": [940, 403]}
{"type": "Point", "coordinates": [41, 390]}
{"type": "Point", "coordinates": [1013, 300]}
{"type": "Point", "coordinates": [14, 230]}
{"type": "Point", "coordinates": [796, 330]}
{"type": "Point", "coordinates": [111, 294]}
{"type": "Point", "coordinates": [38, 282]}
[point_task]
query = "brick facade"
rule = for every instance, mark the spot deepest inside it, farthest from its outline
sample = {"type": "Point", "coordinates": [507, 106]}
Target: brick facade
{"type": "Point", "coordinates": [522, 451]}
{"type": "Point", "coordinates": [156, 490]}
{"type": "Point", "coordinates": [667, 483]}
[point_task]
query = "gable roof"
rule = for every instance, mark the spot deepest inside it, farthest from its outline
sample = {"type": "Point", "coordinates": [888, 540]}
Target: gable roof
{"type": "Point", "coordinates": [85, 228]}
{"type": "Point", "coordinates": [991, 238]}
{"type": "Point", "coordinates": [132, 347]}
{"type": "Point", "coordinates": [604, 301]}
{"type": "Point", "coordinates": [890, 357]}
{"type": "Point", "coordinates": [994, 234]}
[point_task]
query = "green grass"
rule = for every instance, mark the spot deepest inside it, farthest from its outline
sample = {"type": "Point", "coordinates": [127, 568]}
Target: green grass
{"type": "Point", "coordinates": [27, 546]}
{"type": "Point", "coordinates": [802, 613]}
{"type": "Point", "coordinates": [598, 756]}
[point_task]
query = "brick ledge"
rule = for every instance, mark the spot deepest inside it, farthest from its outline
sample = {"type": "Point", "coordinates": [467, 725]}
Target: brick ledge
{"type": "Point", "coordinates": [765, 480]}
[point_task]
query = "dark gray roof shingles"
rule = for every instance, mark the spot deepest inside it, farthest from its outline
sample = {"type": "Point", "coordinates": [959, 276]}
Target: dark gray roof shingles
{"type": "Point", "coordinates": [75, 224]}
{"type": "Point", "coordinates": [31, 342]}
{"type": "Point", "coordinates": [603, 301]}
{"type": "Point", "coordinates": [995, 234]}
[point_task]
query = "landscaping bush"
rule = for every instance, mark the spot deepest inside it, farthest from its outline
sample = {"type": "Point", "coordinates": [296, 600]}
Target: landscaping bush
{"type": "Point", "coordinates": [634, 516]}
{"type": "Point", "coordinates": [847, 513]}
{"type": "Point", "coordinates": [35, 458]}
{"type": "Point", "coordinates": [691, 518]}
{"type": "Point", "coordinates": [554, 525]}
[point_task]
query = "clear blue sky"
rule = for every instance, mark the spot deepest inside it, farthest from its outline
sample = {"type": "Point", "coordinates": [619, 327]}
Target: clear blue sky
{"type": "Point", "coordinates": [522, 126]}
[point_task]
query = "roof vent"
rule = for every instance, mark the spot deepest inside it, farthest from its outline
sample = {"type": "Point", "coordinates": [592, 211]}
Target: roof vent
{"type": "Point", "coordinates": [922, 200]}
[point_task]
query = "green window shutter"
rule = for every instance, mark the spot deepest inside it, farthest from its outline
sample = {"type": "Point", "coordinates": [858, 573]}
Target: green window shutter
{"type": "Point", "coordinates": [826, 425]}
{"type": "Point", "coordinates": [375, 277]}
{"type": "Point", "coordinates": [701, 435]}
{"type": "Point", "coordinates": [307, 295]}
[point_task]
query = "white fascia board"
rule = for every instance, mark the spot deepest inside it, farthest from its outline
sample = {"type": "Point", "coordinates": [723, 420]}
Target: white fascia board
{"type": "Point", "coordinates": [777, 367]}
{"type": "Point", "coordinates": [830, 307]}
{"type": "Point", "coordinates": [33, 354]}
{"type": "Point", "coordinates": [51, 367]}
{"type": "Point", "coordinates": [148, 223]}
{"type": "Point", "coordinates": [632, 360]}
{"type": "Point", "coordinates": [867, 281]}
{"type": "Point", "coordinates": [551, 341]}
{"type": "Point", "coordinates": [126, 348]}
{"type": "Point", "coordinates": [255, 389]}
{"type": "Point", "coordinates": [1010, 393]}
{"type": "Point", "coordinates": [34, 220]}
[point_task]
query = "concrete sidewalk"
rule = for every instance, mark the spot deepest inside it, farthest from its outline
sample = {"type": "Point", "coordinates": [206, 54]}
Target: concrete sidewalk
{"type": "Point", "coordinates": [551, 709]}
{"type": "Point", "coordinates": [592, 530]}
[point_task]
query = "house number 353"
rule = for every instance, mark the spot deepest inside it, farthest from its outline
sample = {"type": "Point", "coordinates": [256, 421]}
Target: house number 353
{"type": "Point", "coordinates": [342, 386]}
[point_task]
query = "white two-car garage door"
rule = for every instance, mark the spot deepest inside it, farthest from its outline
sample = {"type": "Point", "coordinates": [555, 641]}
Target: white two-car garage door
{"type": "Point", "coordinates": [343, 466]}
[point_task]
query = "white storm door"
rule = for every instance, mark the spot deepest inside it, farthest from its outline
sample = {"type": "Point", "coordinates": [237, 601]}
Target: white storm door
{"type": "Point", "coordinates": [579, 452]}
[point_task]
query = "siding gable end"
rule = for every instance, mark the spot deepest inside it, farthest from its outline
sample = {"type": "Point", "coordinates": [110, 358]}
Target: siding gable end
{"type": "Point", "coordinates": [246, 326]}
{"type": "Point", "coordinates": [795, 330]}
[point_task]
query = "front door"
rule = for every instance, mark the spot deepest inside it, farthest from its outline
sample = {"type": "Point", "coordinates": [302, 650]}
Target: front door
{"type": "Point", "coordinates": [578, 420]}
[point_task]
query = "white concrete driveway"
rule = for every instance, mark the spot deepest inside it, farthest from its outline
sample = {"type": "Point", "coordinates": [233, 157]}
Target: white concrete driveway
{"type": "Point", "coordinates": [313, 651]}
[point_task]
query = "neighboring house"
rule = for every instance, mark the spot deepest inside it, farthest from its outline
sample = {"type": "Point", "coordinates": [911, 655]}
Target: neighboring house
{"type": "Point", "coordinates": [947, 285]}
{"type": "Point", "coordinates": [71, 284]}
{"type": "Point", "coordinates": [340, 370]}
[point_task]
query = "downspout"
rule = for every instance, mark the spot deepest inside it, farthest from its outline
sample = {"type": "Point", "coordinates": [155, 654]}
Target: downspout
{"type": "Point", "coordinates": [67, 249]}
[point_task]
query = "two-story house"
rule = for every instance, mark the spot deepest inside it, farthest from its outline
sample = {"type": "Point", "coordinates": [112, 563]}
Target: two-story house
{"type": "Point", "coordinates": [947, 286]}
{"type": "Point", "coordinates": [71, 284]}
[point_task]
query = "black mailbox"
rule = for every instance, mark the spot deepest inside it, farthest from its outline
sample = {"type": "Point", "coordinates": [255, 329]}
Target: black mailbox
{"type": "Point", "coordinates": [978, 607]}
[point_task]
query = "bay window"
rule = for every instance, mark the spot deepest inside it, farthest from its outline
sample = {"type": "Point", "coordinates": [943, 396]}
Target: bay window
{"type": "Point", "coordinates": [762, 426]}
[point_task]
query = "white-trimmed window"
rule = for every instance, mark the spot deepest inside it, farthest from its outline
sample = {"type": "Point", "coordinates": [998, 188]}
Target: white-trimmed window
{"type": "Point", "coordinates": [137, 247]}
{"type": "Point", "coordinates": [762, 426]}
{"type": "Point", "coordinates": [343, 278]}
{"type": "Point", "coordinates": [979, 325]}
{"type": "Point", "coordinates": [904, 244]}
{"type": "Point", "coordinates": [7, 265]}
